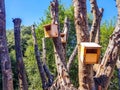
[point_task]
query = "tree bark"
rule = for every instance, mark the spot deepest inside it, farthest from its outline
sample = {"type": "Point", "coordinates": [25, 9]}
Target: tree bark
{"type": "Point", "coordinates": [63, 79]}
{"type": "Point", "coordinates": [108, 63]}
{"type": "Point", "coordinates": [95, 29]}
{"type": "Point", "coordinates": [39, 62]}
{"type": "Point", "coordinates": [85, 71]}
{"type": "Point", "coordinates": [7, 81]}
{"type": "Point", "coordinates": [65, 31]}
{"type": "Point", "coordinates": [71, 59]}
{"type": "Point", "coordinates": [47, 71]}
{"type": "Point", "coordinates": [20, 64]}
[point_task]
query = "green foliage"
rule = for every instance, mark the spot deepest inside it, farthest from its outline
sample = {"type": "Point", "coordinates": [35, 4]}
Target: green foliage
{"type": "Point", "coordinates": [106, 30]}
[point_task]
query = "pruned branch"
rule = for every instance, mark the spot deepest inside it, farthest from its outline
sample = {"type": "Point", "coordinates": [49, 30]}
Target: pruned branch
{"type": "Point", "coordinates": [64, 34]}
{"type": "Point", "coordinates": [39, 61]}
{"type": "Point", "coordinates": [71, 59]}
{"type": "Point", "coordinates": [47, 71]}
{"type": "Point", "coordinates": [95, 29]}
{"type": "Point", "coordinates": [23, 85]}
{"type": "Point", "coordinates": [111, 55]}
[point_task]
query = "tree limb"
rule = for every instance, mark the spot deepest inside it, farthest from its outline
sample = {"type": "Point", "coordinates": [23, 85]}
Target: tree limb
{"type": "Point", "coordinates": [47, 71]}
{"type": "Point", "coordinates": [71, 58]}
{"type": "Point", "coordinates": [109, 60]}
{"type": "Point", "coordinates": [64, 38]}
{"type": "Point", "coordinates": [95, 29]}
{"type": "Point", "coordinates": [66, 30]}
{"type": "Point", "coordinates": [39, 62]}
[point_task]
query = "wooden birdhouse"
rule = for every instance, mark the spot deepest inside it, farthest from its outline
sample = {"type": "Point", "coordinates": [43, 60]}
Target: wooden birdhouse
{"type": "Point", "coordinates": [90, 52]}
{"type": "Point", "coordinates": [63, 37]}
{"type": "Point", "coordinates": [51, 30]}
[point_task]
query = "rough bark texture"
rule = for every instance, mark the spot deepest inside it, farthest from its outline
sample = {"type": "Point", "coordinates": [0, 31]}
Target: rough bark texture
{"type": "Point", "coordinates": [95, 29]}
{"type": "Point", "coordinates": [71, 59]}
{"type": "Point", "coordinates": [85, 71]}
{"type": "Point", "coordinates": [20, 64]}
{"type": "Point", "coordinates": [108, 63]}
{"type": "Point", "coordinates": [7, 81]}
{"type": "Point", "coordinates": [63, 80]}
{"type": "Point", "coordinates": [39, 61]}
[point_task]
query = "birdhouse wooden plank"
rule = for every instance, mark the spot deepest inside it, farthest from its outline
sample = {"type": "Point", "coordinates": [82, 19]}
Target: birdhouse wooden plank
{"type": "Point", "coordinates": [63, 37]}
{"type": "Point", "coordinates": [51, 30]}
{"type": "Point", "coordinates": [90, 52]}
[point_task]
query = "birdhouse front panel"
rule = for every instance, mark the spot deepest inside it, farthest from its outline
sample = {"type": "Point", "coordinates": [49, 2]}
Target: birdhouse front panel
{"type": "Point", "coordinates": [51, 31]}
{"type": "Point", "coordinates": [90, 52]}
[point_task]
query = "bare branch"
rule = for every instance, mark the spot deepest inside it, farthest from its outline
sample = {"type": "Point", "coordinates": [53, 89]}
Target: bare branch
{"type": "Point", "coordinates": [71, 59]}
{"type": "Point", "coordinates": [39, 62]}
{"type": "Point", "coordinates": [65, 31]}
{"type": "Point", "coordinates": [47, 71]}
{"type": "Point", "coordinates": [110, 58]}
{"type": "Point", "coordinates": [95, 29]}
{"type": "Point", "coordinates": [64, 34]}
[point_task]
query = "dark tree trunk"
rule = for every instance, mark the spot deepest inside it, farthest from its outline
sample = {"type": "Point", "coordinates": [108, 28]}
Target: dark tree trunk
{"type": "Point", "coordinates": [7, 80]}
{"type": "Point", "coordinates": [20, 64]}
{"type": "Point", "coordinates": [39, 61]}
{"type": "Point", "coordinates": [47, 71]}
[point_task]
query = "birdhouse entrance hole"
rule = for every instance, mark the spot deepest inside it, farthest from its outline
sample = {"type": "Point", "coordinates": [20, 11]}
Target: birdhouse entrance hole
{"type": "Point", "coordinates": [91, 51]}
{"type": "Point", "coordinates": [48, 28]}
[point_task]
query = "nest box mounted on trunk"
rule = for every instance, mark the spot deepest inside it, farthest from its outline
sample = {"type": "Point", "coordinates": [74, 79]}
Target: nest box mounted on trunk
{"type": "Point", "coordinates": [51, 30]}
{"type": "Point", "coordinates": [90, 52]}
{"type": "Point", "coordinates": [63, 37]}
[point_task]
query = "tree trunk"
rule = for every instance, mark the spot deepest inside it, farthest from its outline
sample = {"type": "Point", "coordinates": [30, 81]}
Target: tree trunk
{"type": "Point", "coordinates": [63, 79]}
{"type": "Point", "coordinates": [20, 64]}
{"type": "Point", "coordinates": [39, 61]}
{"type": "Point", "coordinates": [95, 29]}
{"type": "Point", "coordinates": [85, 71]}
{"type": "Point", "coordinates": [7, 80]}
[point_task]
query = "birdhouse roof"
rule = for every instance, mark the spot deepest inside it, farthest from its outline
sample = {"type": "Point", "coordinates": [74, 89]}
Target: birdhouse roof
{"type": "Point", "coordinates": [90, 44]}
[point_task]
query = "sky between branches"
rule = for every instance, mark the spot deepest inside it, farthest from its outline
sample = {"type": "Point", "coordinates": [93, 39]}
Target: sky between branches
{"type": "Point", "coordinates": [30, 11]}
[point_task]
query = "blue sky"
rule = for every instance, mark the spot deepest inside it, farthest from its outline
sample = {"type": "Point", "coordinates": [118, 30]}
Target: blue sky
{"type": "Point", "coordinates": [31, 11]}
